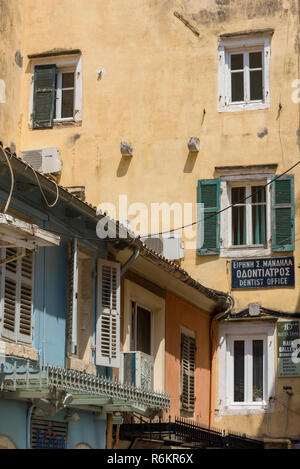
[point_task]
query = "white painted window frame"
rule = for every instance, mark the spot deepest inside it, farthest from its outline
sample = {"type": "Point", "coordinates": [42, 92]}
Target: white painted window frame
{"type": "Point", "coordinates": [249, 250]}
{"type": "Point", "coordinates": [58, 97]}
{"type": "Point", "coordinates": [63, 64]}
{"type": "Point", "coordinates": [246, 45]}
{"type": "Point", "coordinates": [248, 332]}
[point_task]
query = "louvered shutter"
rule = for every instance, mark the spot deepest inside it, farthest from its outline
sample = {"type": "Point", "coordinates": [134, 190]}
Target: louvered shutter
{"type": "Point", "coordinates": [108, 314]}
{"type": "Point", "coordinates": [209, 195]}
{"type": "Point", "coordinates": [17, 297]}
{"type": "Point", "coordinates": [283, 232]}
{"type": "Point", "coordinates": [72, 335]}
{"type": "Point", "coordinates": [44, 96]}
{"type": "Point", "coordinates": [188, 349]}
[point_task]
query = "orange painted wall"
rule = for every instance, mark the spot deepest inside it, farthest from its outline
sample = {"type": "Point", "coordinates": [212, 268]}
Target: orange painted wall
{"type": "Point", "coordinates": [181, 313]}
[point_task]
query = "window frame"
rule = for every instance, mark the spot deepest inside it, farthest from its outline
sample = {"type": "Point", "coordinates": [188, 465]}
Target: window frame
{"type": "Point", "coordinates": [244, 46]}
{"type": "Point", "coordinates": [248, 332]}
{"type": "Point", "coordinates": [227, 249]}
{"type": "Point", "coordinates": [133, 332]}
{"type": "Point", "coordinates": [63, 63]}
{"type": "Point", "coordinates": [58, 95]}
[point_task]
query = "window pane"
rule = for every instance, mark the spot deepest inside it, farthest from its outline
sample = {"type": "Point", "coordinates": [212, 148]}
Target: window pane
{"type": "Point", "coordinates": [258, 215]}
{"type": "Point", "coordinates": [67, 103]}
{"type": "Point", "coordinates": [68, 80]}
{"type": "Point", "coordinates": [238, 217]}
{"type": "Point", "coordinates": [256, 86]}
{"type": "Point", "coordinates": [237, 61]}
{"type": "Point", "coordinates": [143, 330]}
{"type": "Point", "coordinates": [237, 86]}
{"type": "Point", "coordinates": [255, 59]}
{"type": "Point", "coordinates": [239, 370]}
{"type": "Point", "coordinates": [258, 368]}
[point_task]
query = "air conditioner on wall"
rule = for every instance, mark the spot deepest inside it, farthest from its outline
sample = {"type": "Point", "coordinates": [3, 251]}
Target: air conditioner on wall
{"type": "Point", "coordinates": [137, 369]}
{"type": "Point", "coordinates": [170, 247]}
{"type": "Point", "coordinates": [45, 160]}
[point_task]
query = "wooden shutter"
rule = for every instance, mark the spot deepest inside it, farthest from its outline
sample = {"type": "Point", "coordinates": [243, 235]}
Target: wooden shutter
{"type": "Point", "coordinates": [17, 297]}
{"type": "Point", "coordinates": [108, 314]}
{"type": "Point", "coordinates": [283, 232]}
{"type": "Point", "coordinates": [188, 349]}
{"type": "Point", "coordinates": [209, 195]}
{"type": "Point", "coordinates": [44, 96]}
{"type": "Point", "coordinates": [72, 335]}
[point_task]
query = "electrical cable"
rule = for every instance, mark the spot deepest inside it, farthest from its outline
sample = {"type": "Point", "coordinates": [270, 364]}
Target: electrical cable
{"type": "Point", "coordinates": [40, 187]}
{"type": "Point", "coordinates": [224, 209]}
{"type": "Point", "coordinates": [12, 180]}
{"type": "Point", "coordinates": [42, 192]}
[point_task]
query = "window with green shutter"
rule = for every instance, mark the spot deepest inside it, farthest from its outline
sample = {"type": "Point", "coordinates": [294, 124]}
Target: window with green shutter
{"type": "Point", "coordinates": [283, 236]}
{"type": "Point", "coordinates": [44, 96]}
{"type": "Point", "coordinates": [208, 237]}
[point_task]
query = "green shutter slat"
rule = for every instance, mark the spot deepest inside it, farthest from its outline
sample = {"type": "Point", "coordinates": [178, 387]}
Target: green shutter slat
{"type": "Point", "coordinates": [283, 236]}
{"type": "Point", "coordinates": [209, 195]}
{"type": "Point", "coordinates": [44, 96]}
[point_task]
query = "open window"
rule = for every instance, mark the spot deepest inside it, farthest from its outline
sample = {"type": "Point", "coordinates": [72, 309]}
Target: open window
{"type": "Point", "coordinates": [140, 329]}
{"type": "Point", "coordinates": [56, 91]}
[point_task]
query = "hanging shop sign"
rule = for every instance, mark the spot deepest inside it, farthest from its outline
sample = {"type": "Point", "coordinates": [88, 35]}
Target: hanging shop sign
{"type": "Point", "coordinates": [274, 272]}
{"type": "Point", "coordinates": [288, 344]}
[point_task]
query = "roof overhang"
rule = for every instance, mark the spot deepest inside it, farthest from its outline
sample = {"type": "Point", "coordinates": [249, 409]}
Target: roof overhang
{"type": "Point", "coordinates": [18, 233]}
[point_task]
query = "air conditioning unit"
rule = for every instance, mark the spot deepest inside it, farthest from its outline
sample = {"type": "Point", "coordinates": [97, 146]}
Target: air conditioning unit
{"type": "Point", "coordinates": [170, 247]}
{"type": "Point", "coordinates": [45, 160]}
{"type": "Point", "coordinates": [137, 369]}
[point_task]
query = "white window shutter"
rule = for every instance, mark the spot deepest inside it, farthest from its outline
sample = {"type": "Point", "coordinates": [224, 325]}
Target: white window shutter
{"type": "Point", "coordinates": [108, 314]}
{"type": "Point", "coordinates": [73, 298]}
{"type": "Point", "coordinates": [25, 300]}
{"type": "Point", "coordinates": [10, 276]}
{"type": "Point", "coordinates": [17, 297]}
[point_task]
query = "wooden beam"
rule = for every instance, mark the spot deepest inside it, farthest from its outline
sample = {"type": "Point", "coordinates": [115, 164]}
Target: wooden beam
{"type": "Point", "coordinates": [109, 430]}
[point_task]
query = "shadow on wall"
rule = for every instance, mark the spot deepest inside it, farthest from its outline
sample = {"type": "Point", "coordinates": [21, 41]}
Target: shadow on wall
{"type": "Point", "coordinates": [190, 162]}
{"type": "Point", "coordinates": [124, 165]}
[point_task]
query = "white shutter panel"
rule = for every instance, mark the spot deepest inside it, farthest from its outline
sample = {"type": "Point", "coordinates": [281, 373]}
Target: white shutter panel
{"type": "Point", "coordinates": [73, 298]}
{"type": "Point", "coordinates": [10, 277]}
{"type": "Point", "coordinates": [17, 297]}
{"type": "Point", "coordinates": [25, 301]}
{"type": "Point", "coordinates": [108, 314]}
{"type": "Point", "coordinates": [188, 349]}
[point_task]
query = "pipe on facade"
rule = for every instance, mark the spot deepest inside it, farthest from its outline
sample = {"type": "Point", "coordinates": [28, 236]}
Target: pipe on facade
{"type": "Point", "coordinates": [28, 421]}
{"type": "Point", "coordinates": [130, 261]}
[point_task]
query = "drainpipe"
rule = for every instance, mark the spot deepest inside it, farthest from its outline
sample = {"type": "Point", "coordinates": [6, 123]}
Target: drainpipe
{"type": "Point", "coordinates": [130, 261]}
{"type": "Point", "coordinates": [28, 421]}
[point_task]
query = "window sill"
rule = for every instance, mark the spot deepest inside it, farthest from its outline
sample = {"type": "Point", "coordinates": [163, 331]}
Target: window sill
{"type": "Point", "coordinates": [243, 107]}
{"type": "Point", "coordinates": [245, 251]}
{"type": "Point", "coordinates": [18, 350]}
{"type": "Point", "coordinates": [246, 409]}
{"type": "Point", "coordinates": [67, 123]}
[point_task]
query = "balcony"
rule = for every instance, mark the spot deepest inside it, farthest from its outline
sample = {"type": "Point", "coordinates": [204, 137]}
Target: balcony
{"type": "Point", "coordinates": [25, 380]}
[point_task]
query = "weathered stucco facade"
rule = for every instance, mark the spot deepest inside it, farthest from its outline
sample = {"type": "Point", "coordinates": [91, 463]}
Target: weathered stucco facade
{"type": "Point", "coordinates": [160, 88]}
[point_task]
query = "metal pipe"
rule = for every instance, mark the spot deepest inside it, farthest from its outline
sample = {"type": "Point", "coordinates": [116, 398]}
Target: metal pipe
{"type": "Point", "coordinates": [28, 421]}
{"type": "Point", "coordinates": [133, 258]}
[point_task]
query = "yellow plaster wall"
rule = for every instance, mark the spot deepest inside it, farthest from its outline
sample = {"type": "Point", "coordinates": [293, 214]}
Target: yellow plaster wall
{"type": "Point", "coordinates": [160, 78]}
